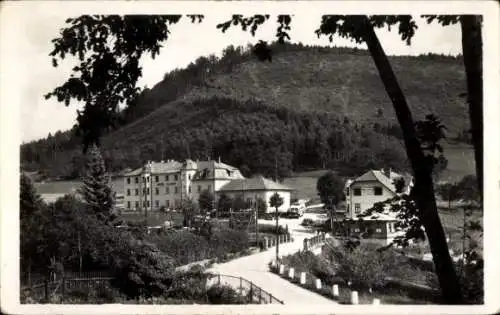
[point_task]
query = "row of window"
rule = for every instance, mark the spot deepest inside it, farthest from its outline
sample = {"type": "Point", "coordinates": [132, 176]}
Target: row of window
{"type": "Point", "coordinates": [147, 204]}
{"type": "Point", "coordinates": [157, 178]}
{"type": "Point", "coordinates": [377, 191]}
{"type": "Point", "coordinates": [167, 190]}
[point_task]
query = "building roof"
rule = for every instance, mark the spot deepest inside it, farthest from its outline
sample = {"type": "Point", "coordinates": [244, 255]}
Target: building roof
{"type": "Point", "coordinates": [387, 216]}
{"type": "Point", "coordinates": [254, 183]}
{"type": "Point", "coordinates": [381, 177]}
{"type": "Point", "coordinates": [205, 169]}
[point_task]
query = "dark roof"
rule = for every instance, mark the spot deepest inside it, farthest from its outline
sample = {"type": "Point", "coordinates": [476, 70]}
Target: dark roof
{"type": "Point", "coordinates": [254, 183]}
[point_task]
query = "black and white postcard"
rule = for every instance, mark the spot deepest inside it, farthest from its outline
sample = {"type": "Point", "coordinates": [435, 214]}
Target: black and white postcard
{"type": "Point", "coordinates": [260, 157]}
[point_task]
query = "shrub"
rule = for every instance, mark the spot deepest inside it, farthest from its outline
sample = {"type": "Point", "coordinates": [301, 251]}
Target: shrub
{"type": "Point", "coordinates": [223, 294]}
{"type": "Point", "coordinates": [228, 241]}
{"type": "Point", "coordinates": [271, 229]}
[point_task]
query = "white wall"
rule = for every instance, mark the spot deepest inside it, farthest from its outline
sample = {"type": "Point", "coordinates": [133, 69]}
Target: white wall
{"type": "Point", "coordinates": [264, 195]}
{"type": "Point", "coordinates": [368, 197]}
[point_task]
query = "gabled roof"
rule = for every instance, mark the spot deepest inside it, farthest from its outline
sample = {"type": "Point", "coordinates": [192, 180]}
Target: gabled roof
{"type": "Point", "coordinates": [379, 176]}
{"type": "Point", "coordinates": [158, 168]}
{"type": "Point", "coordinates": [254, 183]}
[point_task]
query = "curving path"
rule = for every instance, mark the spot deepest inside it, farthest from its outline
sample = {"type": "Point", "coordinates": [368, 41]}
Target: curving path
{"type": "Point", "coordinates": [255, 268]}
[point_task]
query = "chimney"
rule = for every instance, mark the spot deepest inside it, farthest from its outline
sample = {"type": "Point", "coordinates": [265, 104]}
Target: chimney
{"type": "Point", "coordinates": [387, 172]}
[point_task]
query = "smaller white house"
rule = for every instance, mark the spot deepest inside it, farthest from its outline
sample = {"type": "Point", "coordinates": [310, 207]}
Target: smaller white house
{"type": "Point", "coordinates": [371, 187]}
{"type": "Point", "coordinates": [362, 194]}
{"type": "Point", "coordinates": [258, 187]}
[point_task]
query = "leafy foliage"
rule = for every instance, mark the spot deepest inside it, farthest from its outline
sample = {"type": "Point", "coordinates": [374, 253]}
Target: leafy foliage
{"type": "Point", "coordinates": [206, 200]}
{"type": "Point", "coordinates": [330, 189]}
{"type": "Point", "coordinates": [276, 201]}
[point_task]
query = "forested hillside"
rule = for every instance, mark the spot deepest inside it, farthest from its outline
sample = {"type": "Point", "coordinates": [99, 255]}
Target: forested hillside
{"type": "Point", "coordinates": [311, 107]}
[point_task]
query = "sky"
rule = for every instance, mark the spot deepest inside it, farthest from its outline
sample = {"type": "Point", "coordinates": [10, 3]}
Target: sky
{"type": "Point", "coordinates": [187, 42]}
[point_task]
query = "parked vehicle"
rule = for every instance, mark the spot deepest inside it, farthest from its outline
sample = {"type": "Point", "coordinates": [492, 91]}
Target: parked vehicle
{"type": "Point", "coordinates": [298, 208]}
{"type": "Point", "coordinates": [292, 215]}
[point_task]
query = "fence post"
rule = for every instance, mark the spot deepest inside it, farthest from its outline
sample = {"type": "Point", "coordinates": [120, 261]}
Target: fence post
{"type": "Point", "coordinates": [318, 284]}
{"type": "Point", "coordinates": [335, 290]}
{"type": "Point", "coordinates": [251, 292]}
{"type": "Point", "coordinates": [63, 289]}
{"type": "Point", "coordinates": [241, 285]}
{"type": "Point", "coordinates": [46, 287]}
{"type": "Point", "coordinates": [354, 297]}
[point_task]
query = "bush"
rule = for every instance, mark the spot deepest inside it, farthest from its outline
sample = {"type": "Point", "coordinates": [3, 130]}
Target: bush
{"type": "Point", "coordinates": [271, 229]}
{"type": "Point", "coordinates": [223, 294]}
{"type": "Point", "coordinates": [228, 241]}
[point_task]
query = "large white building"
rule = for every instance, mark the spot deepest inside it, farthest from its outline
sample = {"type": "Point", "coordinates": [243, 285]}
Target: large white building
{"type": "Point", "coordinates": [169, 183]}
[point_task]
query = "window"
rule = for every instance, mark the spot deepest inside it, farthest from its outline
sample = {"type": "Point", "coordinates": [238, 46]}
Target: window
{"type": "Point", "coordinates": [189, 189]}
{"type": "Point", "coordinates": [128, 192]}
{"type": "Point", "coordinates": [147, 191]}
{"type": "Point", "coordinates": [379, 230]}
{"type": "Point", "coordinates": [157, 203]}
{"type": "Point", "coordinates": [166, 178]}
{"type": "Point", "coordinates": [189, 176]}
{"type": "Point", "coordinates": [377, 191]}
{"type": "Point", "coordinates": [176, 177]}
{"type": "Point", "coordinates": [157, 190]}
{"type": "Point", "coordinates": [356, 230]}
{"type": "Point", "coordinates": [136, 192]}
{"type": "Point", "coordinates": [168, 203]}
{"type": "Point", "coordinates": [167, 190]}
{"type": "Point", "coordinates": [157, 178]}
{"type": "Point", "coordinates": [137, 180]}
{"type": "Point", "coordinates": [148, 204]}
{"type": "Point", "coordinates": [137, 204]}
{"type": "Point", "coordinates": [128, 180]}
{"type": "Point", "coordinates": [357, 207]}
{"type": "Point", "coordinates": [144, 191]}
{"type": "Point", "coordinates": [199, 188]}
{"type": "Point", "coordinates": [176, 190]}
{"type": "Point", "coordinates": [357, 191]}
{"type": "Point", "coordinates": [128, 204]}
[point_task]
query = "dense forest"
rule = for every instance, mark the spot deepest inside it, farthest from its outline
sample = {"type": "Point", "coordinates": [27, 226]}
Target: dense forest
{"type": "Point", "coordinates": [312, 107]}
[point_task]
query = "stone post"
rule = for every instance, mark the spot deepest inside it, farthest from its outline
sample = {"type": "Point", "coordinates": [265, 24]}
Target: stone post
{"type": "Point", "coordinates": [354, 297]}
{"type": "Point", "coordinates": [376, 302]}
{"type": "Point", "coordinates": [318, 284]}
{"type": "Point", "coordinates": [282, 269]}
{"type": "Point", "coordinates": [291, 273]}
{"type": "Point", "coordinates": [266, 243]}
{"type": "Point", "coordinates": [302, 278]}
{"type": "Point", "coordinates": [335, 290]}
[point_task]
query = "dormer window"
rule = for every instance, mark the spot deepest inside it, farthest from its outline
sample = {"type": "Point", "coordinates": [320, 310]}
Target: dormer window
{"type": "Point", "coordinates": [357, 191]}
{"type": "Point", "coordinates": [377, 191]}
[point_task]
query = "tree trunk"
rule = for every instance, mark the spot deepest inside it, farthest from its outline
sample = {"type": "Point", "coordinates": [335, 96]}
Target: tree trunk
{"type": "Point", "coordinates": [423, 189]}
{"type": "Point", "coordinates": [472, 48]}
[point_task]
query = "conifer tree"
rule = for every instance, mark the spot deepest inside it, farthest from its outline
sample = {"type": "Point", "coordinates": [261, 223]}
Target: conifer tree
{"type": "Point", "coordinates": [96, 190]}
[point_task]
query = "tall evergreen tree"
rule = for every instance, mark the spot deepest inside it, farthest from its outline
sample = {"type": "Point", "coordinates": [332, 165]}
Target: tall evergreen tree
{"type": "Point", "coordinates": [96, 189]}
{"type": "Point", "coordinates": [30, 205]}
